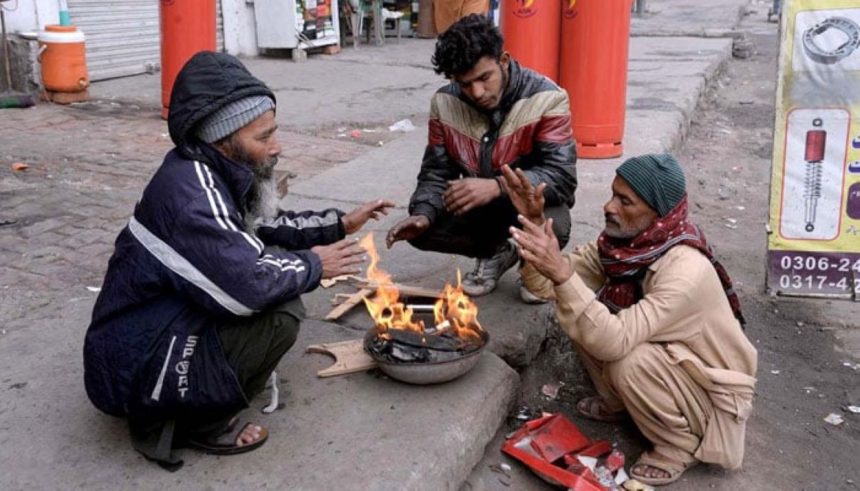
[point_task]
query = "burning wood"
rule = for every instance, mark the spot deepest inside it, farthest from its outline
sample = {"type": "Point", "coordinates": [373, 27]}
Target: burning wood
{"type": "Point", "coordinates": [402, 331]}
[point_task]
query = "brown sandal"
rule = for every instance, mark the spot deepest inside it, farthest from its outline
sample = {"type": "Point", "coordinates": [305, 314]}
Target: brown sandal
{"type": "Point", "coordinates": [594, 408]}
{"type": "Point", "coordinates": [223, 441]}
{"type": "Point", "coordinates": [659, 461]}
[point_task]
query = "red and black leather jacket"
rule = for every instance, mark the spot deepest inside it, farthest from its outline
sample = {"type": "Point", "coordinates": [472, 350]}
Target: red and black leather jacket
{"type": "Point", "coordinates": [530, 129]}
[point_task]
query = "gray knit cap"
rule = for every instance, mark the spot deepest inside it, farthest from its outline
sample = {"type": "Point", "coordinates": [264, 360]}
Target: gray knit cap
{"type": "Point", "coordinates": [233, 117]}
{"type": "Point", "coordinates": [656, 178]}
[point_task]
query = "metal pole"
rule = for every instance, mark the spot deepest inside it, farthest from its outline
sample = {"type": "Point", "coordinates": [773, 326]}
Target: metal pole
{"type": "Point", "coordinates": [639, 7]}
{"type": "Point", "coordinates": [775, 11]}
{"type": "Point", "coordinates": [5, 50]}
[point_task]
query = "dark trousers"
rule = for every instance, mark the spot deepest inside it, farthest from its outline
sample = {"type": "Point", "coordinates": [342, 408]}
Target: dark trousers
{"type": "Point", "coordinates": [253, 347]}
{"type": "Point", "coordinates": [480, 232]}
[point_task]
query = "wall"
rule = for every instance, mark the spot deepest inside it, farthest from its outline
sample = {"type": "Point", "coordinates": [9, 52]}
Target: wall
{"type": "Point", "coordinates": [240, 29]}
{"type": "Point", "coordinates": [30, 15]}
{"type": "Point", "coordinates": [26, 17]}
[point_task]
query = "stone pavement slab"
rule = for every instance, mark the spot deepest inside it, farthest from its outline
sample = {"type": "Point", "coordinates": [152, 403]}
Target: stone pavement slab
{"type": "Point", "coordinates": [371, 84]}
{"type": "Point", "coordinates": [678, 18]}
{"type": "Point", "coordinates": [354, 432]}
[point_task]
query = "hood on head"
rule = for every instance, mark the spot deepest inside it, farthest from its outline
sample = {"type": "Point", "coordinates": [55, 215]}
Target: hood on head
{"type": "Point", "coordinates": [206, 83]}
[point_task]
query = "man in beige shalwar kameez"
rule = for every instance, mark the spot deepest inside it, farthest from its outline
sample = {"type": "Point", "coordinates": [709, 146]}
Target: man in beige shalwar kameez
{"type": "Point", "coordinates": [653, 316]}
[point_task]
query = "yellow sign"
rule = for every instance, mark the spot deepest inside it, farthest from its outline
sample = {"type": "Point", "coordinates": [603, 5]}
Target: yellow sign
{"type": "Point", "coordinates": [814, 242]}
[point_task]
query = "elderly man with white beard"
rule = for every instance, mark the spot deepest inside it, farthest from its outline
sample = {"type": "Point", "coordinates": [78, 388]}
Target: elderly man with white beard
{"type": "Point", "coordinates": [201, 298]}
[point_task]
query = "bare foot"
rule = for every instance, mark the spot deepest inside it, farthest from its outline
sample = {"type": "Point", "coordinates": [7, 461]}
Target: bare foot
{"type": "Point", "coordinates": [250, 434]}
{"type": "Point", "coordinates": [651, 472]}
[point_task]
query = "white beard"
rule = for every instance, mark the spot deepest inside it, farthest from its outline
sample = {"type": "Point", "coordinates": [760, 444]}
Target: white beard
{"type": "Point", "coordinates": [266, 207]}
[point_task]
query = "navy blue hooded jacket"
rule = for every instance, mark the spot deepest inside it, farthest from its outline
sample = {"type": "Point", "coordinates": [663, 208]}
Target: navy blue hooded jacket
{"type": "Point", "coordinates": [185, 264]}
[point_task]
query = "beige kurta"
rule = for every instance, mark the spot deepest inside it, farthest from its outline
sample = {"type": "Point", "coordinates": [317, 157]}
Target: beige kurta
{"type": "Point", "coordinates": [677, 360]}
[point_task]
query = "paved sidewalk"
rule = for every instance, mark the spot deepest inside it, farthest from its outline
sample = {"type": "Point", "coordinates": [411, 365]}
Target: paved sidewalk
{"type": "Point", "coordinates": [88, 164]}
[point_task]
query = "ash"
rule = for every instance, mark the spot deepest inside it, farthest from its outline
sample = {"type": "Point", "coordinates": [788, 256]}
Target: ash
{"type": "Point", "coordinates": [407, 347]}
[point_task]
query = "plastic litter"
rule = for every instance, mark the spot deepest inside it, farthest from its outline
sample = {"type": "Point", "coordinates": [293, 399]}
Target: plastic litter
{"type": "Point", "coordinates": [94, 289]}
{"type": "Point", "coordinates": [403, 125]}
{"type": "Point", "coordinates": [615, 460]}
{"type": "Point", "coordinates": [558, 452]}
{"type": "Point", "coordinates": [634, 485]}
{"type": "Point", "coordinates": [834, 419]}
{"type": "Point", "coordinates": [854, 409]}
{"type": "Point", "coordinates": [621, 477]}
{"type": "Point", "coordinates": [550, 390]}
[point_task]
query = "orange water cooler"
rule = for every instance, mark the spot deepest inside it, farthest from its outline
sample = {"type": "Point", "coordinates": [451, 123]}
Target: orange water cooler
{"type": "Point", "coordinates": [593, 69]}
{"type": "Point", "coordinates": [531, 29]}
{"type": "Point", "coordinates": [62, 54]}
{"type": "Point", "coordinates": [187, 27]}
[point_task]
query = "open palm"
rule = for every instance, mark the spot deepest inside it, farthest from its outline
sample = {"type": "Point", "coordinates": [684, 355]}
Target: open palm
{"type": "Point", "coordinates": [526, 198]}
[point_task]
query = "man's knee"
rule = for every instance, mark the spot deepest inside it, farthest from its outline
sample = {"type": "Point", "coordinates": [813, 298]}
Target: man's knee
{"type": "Point", "coordinates": [560, 223]}
{"type": "Point", "coordinates": [626, 371]}
{"type": "Point", "coordinates": [285, 329]}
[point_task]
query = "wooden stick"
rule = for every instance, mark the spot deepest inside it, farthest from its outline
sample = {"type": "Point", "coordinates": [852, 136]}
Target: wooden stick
{"type": "Point", "coordinates": [408, 290]}
{"type": "Point", "coordinates": [339, 298]}
{"type": "Point", "coordinates": [348, 304]}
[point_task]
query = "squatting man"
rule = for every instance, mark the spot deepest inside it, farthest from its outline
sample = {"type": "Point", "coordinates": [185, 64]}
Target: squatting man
{"type": "Point", "coordinates": [494, 112]}
{"type": "Point", "coordinates": [652, 315]}
{"type": "Point", "coordinates": [201, 298]}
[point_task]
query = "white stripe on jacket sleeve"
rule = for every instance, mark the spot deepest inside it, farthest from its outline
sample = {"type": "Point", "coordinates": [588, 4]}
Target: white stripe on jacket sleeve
{"type": "Point", "coordinates": [181, 266]}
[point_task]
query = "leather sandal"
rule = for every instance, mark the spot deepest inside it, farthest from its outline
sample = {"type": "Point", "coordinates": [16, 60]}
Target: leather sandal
{"type": "Point", "coordinates": [658, 461]}
{"type": "Point", "coordinates": [594, 407]}
{"type": "Point", "coordinates": [223, 440]}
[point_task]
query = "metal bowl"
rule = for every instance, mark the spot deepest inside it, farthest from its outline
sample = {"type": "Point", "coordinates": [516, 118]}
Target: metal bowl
{"type": "Point", "coordinates": [426, 373]}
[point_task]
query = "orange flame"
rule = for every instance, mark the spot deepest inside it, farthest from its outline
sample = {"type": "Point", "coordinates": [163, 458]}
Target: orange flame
{"type": "Point", "coordinates": [384, 307]}
{"type": "Point", "coordinates": [453, 305]}
{"type": "Point", "coordinates": [456, 307]}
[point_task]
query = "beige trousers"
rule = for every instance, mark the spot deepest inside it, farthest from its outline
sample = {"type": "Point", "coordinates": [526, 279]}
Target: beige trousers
{"type": "Point", "coordinates": [670, 409]}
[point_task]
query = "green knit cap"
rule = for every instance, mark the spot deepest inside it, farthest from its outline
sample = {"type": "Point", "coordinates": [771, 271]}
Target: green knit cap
{"type": "Point", "coordinates": [656, 178]}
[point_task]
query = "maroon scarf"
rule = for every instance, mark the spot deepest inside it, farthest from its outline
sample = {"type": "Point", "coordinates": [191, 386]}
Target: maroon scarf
{"type": "Point", "coordinates": [625, 261]}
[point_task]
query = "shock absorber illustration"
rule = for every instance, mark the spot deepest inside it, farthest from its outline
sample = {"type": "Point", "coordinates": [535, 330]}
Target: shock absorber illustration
{"type": "Point", "coordinates": [814, 156]}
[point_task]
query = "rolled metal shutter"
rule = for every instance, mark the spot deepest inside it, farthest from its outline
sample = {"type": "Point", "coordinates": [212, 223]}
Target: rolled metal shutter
{"type": "Point", "coordinates": [122, 36]}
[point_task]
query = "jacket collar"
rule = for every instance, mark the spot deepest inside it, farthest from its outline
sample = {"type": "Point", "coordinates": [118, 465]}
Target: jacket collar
{"type": "Point", "coordinates": [514, 88]}
{"type": "Point", "coordinates": [237, 176]}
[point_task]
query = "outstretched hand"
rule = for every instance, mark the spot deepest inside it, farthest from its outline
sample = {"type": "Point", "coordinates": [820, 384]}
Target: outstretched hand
{"type": "Point", "coordinates": [538, 245]}
{"type": "Point", "coordinates": [526, 198]}
{"type": "Point", "coordinates": [407, 229]}
{"type": "Point", "coordinates": [340, 258]}
{"type": "Point", "coordinates": [354, 220]}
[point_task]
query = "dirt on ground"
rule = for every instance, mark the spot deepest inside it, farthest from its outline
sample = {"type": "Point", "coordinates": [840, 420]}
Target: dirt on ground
{"type": "Point", "coordinates": [802, 376]}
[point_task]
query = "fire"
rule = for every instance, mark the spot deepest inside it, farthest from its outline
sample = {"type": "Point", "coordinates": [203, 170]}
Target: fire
{"type": "Point", "coordinates": [385, 308]}
{"type": "Point", "coordinates": [453, 311]}
{"type": "Point", "coordinates": [455, 307]}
